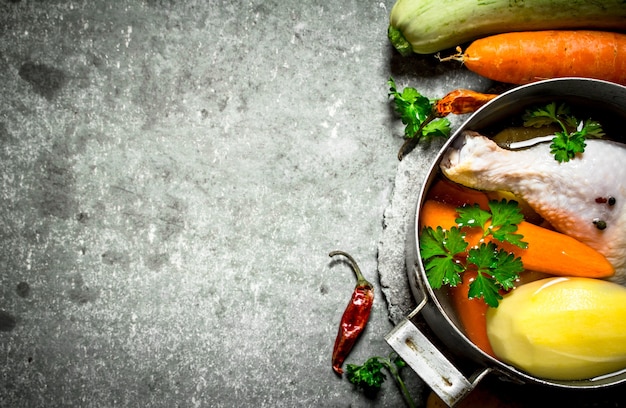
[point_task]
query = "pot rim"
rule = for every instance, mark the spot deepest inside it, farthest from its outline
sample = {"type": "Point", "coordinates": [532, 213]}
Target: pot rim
{"type": "Point", "coordinates": [560, 88]}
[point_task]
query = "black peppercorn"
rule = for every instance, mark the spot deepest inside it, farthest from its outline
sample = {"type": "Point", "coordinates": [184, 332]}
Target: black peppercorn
{"type": "Point", "coordinates": [600, 224]}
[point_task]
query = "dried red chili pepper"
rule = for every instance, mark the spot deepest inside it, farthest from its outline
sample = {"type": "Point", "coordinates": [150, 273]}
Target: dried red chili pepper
{"type": "Point", "coordinates": [355, 316]}
{"type": "Point", "coordinates": [461, 101]}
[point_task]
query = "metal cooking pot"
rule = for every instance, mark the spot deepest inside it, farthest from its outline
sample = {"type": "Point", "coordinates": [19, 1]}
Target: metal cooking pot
{"type": "Point", "coordinates": [441, 360]}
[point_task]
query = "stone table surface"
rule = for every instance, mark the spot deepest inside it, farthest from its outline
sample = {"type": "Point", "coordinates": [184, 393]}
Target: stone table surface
{"type": "Point", "coordinates": [173, 177]}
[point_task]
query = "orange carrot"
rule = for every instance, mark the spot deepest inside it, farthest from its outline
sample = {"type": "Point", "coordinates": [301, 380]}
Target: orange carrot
{"type": "Point", "coordinates": [461, 101]}
{"type": "Point", "coordinates": [523, 57]}
{"type": "Point", "coordinates": [471, 313]}
{"type": "Point", "coordinates": [548, 251]}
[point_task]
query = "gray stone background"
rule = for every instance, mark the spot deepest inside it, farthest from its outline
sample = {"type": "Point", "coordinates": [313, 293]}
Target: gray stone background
{"type": "Point", "coordinates": [173, 176]}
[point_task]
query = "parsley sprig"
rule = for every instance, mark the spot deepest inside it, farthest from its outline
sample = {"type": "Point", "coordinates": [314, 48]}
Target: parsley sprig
{"type": "Point", "coordinates": [370, 376]}
{"type": "Point", "coordinates": [504, 215]}
{"type": "Point", "coordinates": [446, 256]}
{"type": "Point", "coordinates": [417, 113]}
{"type": "Point", "coordinates": [571, 139]}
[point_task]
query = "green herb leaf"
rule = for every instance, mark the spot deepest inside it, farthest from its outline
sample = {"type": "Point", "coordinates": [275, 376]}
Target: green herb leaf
{"type": "Point", "coordinates": [485, 287]}
{"type": "Point", "coordinates": [593, 129]}
{"type": "Point", "coordinates": [497, 269]}
{"type": "Point", "coordinates": [547, 115]}
{"type": "Point", "coordinates": [439, 248]}
{"type": "Point", "coordinates": [564, 146]}
{"type": "Point", "coordinates": [506, 269]}
{"type": "Point", "coordinates": [505, 215]}
{"type": "Point", "coordinates": [472, 216]}
{"type": "Point", "coordinates": [571, 140]}
{"type": "Point", "coordinates": [505, 212]}
{"type": "Point", "coordinates": [416, 112]}
{"type": "Point", "coordinates": [442, 250]}
{"type": "Point", "coordinates": [368, 375]}
{"type": "Point", "coordinates": [399, 362]}
{"type": "Point", "coordinates": [436, 128]}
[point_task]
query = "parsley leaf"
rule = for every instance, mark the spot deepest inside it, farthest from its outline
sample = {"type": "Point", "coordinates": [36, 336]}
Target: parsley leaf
{"type": "Point", "coordinates": [439, 248]}
{"type": "Point", "coordinates": [472, 216]}
{"type": "Point", "coordinates": [369, 376]}
{"type": "Point", "coordinates": [571, 139]}
{"type": "Point", "coordinates": [446, 256]}
{"type": "Point", "coordinates": [436, 128]}
{"type": "Point", "coordinates": [565, 146]}
{"type": "Point", "coordinates": [547, 115]}
{"type": "Point", "coordinates": [485, 287]}
{"type": "Point", "coordinates": [506, 268]}
{"type": "Point", "coordinates": [505, 215]}
{"type": "Point", "coordinates": [497, 269]}
{"type": "Point", "coordinates": [593, 129]}
{"type": "Point", "coordinates": [417, 113]}
{"type": "Point", "coordinates": [412, 107]}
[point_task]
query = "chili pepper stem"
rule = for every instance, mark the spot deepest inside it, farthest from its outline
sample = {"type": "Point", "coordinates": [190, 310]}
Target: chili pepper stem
{"type": "Point", "coordinates": [407, 147]}
{"type": "Point", "coordinates": [361, 281]}
{"type": "Point", "coordinates": [411, 143]}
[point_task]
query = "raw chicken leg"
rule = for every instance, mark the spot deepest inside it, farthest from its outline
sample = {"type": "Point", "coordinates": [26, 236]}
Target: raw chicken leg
{"type": "Point", "coordinates": [584, 198]}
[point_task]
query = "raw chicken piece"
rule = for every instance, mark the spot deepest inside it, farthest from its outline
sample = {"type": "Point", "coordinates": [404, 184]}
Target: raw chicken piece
{"type": "Point", "coordinates": [577, 197]}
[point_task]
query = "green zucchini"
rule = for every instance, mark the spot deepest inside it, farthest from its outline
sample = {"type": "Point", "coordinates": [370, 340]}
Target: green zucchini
{"type": "Point", "coordinates": [429, 26]}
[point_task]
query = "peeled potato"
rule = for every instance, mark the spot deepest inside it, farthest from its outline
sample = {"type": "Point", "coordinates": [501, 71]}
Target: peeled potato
{"type": "Point", "coordinates": [561, 328]}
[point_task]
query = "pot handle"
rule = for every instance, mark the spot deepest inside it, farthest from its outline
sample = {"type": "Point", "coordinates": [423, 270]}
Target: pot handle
{"type": "Point", "coordinates": [429, 363]}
